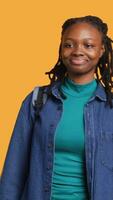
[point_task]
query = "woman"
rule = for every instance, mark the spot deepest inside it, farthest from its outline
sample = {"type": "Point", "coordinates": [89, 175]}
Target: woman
{"type": "Point", "coordinates": [67, 153]}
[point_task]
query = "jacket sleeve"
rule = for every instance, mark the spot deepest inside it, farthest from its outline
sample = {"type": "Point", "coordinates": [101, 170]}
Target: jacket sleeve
{"type": "Point", "coordinates": [16, 164]}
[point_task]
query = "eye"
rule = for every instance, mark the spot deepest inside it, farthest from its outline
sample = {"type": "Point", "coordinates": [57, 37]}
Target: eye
{"type": "Point", "coordinates": [89, 46]}
{"type": "Point", "coordinates": [68, 45]}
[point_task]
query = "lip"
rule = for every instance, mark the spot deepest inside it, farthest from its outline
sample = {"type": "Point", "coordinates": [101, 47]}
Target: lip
{"type": "Point", "coordinates": [76, 61]}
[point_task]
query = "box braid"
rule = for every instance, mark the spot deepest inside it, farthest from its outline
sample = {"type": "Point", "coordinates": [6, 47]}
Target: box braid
{"type": "Point", "coordinates": [104, 69]}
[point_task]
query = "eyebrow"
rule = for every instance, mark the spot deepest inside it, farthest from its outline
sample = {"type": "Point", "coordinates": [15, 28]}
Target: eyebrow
{"type": "Point", "coordinates": [84, 38]}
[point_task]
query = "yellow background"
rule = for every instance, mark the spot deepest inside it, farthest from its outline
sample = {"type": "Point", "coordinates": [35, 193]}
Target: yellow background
{"type": "Point", "coordinates": [29, 41]}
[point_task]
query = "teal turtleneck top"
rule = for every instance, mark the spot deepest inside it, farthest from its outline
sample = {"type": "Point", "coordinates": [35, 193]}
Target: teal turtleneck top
{"type": "Point", "coordinates": [69, 175]}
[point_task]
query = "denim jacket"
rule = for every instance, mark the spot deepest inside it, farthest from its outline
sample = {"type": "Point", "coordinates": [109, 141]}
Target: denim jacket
{"type": "Point", "coordinates": [27, 172]}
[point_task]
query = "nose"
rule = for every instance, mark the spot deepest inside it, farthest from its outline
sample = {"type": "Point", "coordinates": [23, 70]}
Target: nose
{"type": "Point", "coordinates": [78, 51]}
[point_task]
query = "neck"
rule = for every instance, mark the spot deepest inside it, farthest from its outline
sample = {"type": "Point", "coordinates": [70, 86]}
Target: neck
{"type": "Point", "coordinates": [81, 79]}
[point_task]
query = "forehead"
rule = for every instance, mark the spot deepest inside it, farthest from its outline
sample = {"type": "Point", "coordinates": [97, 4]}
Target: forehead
{"type": "Point", "coordinates": [82, 30]}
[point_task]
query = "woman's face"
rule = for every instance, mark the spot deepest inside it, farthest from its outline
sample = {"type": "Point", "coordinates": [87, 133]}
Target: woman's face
{"type": "Point", "coordinates": [81, 49]}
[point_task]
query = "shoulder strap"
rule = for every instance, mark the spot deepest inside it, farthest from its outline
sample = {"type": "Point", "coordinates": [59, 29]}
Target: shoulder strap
{"type": "Point", "coordinates": [35, 94]}
{"type": "Point", "coordinates": [39, 98]}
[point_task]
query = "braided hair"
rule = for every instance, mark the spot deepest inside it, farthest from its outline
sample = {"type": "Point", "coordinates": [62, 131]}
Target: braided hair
{"type": "Point", "coordinates": [104, 69]}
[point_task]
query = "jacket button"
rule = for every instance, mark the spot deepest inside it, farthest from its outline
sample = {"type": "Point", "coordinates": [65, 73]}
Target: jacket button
{"type": "Point", "coordinates": [89, 155]}
{"type": "Point", "coordinates": [59, 108]}
{"type": "Point", "coordinates": [46, 189]}
{"type": "Point", "coordinates": [49, 166]}
{"type": "Point", "coordinates": [103, 162]}
{"type": "Point", "coordinates": [50, 145]}
{"type": "Point", "coordinates": [51, 125]}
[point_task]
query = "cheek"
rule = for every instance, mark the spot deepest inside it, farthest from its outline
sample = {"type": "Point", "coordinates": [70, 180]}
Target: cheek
{"type": "Point", "coordinates": [94, 55]}
{"type": "Point", "coordinates": [65, 53]}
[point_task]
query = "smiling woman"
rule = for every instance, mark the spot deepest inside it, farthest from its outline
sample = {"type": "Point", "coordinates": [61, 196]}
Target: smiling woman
{"type": "Point", "coordinates": [81, 49]}
{"type": "Point", "coordinates": [61, 154]}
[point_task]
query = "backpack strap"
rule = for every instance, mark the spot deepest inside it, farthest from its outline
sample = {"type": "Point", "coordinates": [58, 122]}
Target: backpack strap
{"type": "Point", "coordinates": [35, 95]}
{"type": "Point", "coordinates": [39, 98]}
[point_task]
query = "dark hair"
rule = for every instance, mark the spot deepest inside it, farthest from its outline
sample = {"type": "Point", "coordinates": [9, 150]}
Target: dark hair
{"type": "Point", "coordinates": [104, 68]}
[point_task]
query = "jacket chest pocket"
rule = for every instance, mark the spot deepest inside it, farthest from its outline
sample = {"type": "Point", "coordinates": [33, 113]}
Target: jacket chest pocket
{"type": "Point", "coordinates": [107, 150]}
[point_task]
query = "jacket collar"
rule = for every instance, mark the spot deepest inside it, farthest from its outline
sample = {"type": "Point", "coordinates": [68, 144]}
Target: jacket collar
{"type": "Point", "coordinates": [99, 93]}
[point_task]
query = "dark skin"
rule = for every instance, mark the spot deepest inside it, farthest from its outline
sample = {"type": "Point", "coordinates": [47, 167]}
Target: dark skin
{"type": "Point", "coordinates": [81, 49]}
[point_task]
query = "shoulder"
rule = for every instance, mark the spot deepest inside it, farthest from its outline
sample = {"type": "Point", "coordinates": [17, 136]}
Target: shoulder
{"type": "Point", "coordinates": [27, 101]}
{"type": "Point", "coordinates": [29, 96]}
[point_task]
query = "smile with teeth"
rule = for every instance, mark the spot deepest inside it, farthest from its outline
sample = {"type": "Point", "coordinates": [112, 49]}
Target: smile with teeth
{"type": "Point", "coordinates": [78, 61]}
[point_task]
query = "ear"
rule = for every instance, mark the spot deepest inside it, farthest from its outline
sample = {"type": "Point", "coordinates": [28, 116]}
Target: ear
{"type": "Point", "coordinates": [102, 51]}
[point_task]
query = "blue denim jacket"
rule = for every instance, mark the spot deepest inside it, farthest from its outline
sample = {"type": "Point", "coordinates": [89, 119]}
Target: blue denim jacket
{"type": "Point", "coordinates": [27, 172]}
